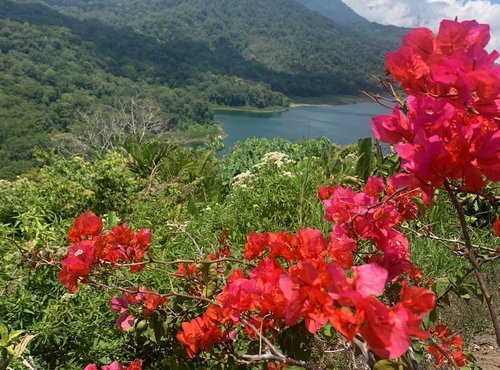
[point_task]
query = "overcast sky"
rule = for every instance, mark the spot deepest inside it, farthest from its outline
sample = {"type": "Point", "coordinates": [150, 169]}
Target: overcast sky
{"type": "Point", "coordinates": [428, 13]}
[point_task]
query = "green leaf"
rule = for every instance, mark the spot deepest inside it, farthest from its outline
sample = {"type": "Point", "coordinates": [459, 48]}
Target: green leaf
{"type": "Point", "coordinates": [387, 365]}
{"type": "Point", "coordinates": [327, 330]}
{"type": "Point", "coordinates": [15, 334]}
{"type": "Point", "coordinates": [111, 220]}
{"type": "Point", "coordinates": [365, 158]}
{"type": "Point", "coordinates": [441, 286]}
{"type": "Point", "coordinates": [4, 333]}
{"type": "Point", "coordinates": [192, 208]}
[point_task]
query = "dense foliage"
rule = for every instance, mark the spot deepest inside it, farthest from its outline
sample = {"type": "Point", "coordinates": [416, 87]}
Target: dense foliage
{"type": "Point", "coordinates": [56, 69]}
{"type": "Point", "coordinates": [199, 262]}
{"type": "Point", "coordinates": [336, 10]}
{"type": "Point", "coordinates": [296, 51]}
{"type": "Point", "coordinates": [60, 59]}
{"type": "Point", "coordinates": [274, 189]}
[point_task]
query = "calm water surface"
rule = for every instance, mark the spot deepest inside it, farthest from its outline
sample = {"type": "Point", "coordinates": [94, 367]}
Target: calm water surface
{"type": "Point", "coordinates": [343, 124]}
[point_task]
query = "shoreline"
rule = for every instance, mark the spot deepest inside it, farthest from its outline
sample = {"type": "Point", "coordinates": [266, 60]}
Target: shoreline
{"type": "Point", "coordinates": [223, 109]}
{"type": "Point", "coordinates": [330, 100]}
{"type": "Point", "coordinates": [297, 102]}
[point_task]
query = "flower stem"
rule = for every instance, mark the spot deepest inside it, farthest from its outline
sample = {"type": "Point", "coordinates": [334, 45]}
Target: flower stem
{"type": "Point", "coordinates": [488, 297]}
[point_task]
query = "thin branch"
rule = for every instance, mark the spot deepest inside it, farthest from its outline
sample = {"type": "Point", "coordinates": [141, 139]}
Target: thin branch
{"type": "Point", "coordinates": [451, 362]}
{"type": "Point", "coordinates": [162, 295]}
{"type": "Point", "coordinates": [472, 258]}
{"type": "Point", "coordinates": [377, 99]}
{"type": "Point", "coordinates": [30, 363]}
{"type": "Point", "coordinates": [274, 354]}
{"type": "Point", "coordinates": [176, 262]}
{"type": "Point", "coordinates": [430, 235]}
{"type": "Point", "coordinates": [365, 351]}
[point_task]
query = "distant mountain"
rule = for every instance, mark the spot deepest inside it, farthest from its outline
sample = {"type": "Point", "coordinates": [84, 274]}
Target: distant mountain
{"type": "Point", "coordinates": [385, 36]}
{"type": "Point", "coordinates": [279, 42]}
{"type": "Point", "coordinates": [336, 10]}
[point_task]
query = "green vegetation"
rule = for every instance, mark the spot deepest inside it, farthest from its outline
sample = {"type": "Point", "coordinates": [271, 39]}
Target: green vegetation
{"type": "Point", "coordinates": [64, 60]}
{"type": "Point", "coordinates": [54, 79]}
{"type": "Point", "coordinates": [336, 10]}
{"type": "Point", "coordinates": [279, 42]}
{"type": "Point", "coordinates": [340, 13]}
{"type": "Point", "coordinates": [180, 194]}
{"type": "Point", "coordinates": [98, 98]}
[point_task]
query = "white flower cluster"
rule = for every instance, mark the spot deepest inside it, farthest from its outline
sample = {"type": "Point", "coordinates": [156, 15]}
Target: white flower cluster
{"type": "Point", "coordinates": [243, 179]}
{"type": "Point", "coordinates": [278, 158]}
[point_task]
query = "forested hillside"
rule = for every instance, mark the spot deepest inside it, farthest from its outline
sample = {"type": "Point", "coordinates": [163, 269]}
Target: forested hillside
{"type": "Point", "coordinates": [279, 42]}
{"type": "Point", "coordinates": [62, 60]}
{"type": "Point", "coordinates": [56, 70]}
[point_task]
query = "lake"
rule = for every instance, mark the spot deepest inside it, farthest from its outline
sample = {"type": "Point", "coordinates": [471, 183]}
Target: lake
{"type": "Point", "coordinates": [343, 124]}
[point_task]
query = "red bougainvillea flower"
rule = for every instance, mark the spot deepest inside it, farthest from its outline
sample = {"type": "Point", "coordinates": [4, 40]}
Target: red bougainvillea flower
{"type": "Point", "coordinates": [295, 279]}
{"type": "Point", "coordinates": [256, 244]}
{"type": "Point", "coordinates": [121, 244]}
{"type": "Point", "coordinates": [385, 330]}
{"type": "Point", "coordinates": [199, 334]}
{"type": "Point", "coordinates": [496, 227]}
{"type": "Point", "coordinates": [77, 265]}
{"type": "Point", "coordinates": [325, 192]}
{"type": "Point", "coordinates": [152, 301]}
{"type": "Point", "coordinates": [451, 344]}
{"type": "Point", "coordinates": [374, 187]}
{"type": "Point", "coordinates": [88, 224]}
{"type": "Point", "coordinates": [135, 365]}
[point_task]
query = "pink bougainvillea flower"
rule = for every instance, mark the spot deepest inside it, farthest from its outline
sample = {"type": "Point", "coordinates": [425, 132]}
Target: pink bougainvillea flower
{"type": "Point", "coordinates": [115, 365]}
{"type": "Point", "coordinates": [394, 128]}
{"type": "Point", "coordinates": [135, 365]}
{"type": "Point", "coordinates": [118, 304]}
{"type": "Point", "coordinates": [125, 321]}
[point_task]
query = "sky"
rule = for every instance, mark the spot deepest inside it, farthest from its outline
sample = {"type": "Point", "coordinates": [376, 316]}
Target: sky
{"type": "Point", "coordinates": [428, 13]}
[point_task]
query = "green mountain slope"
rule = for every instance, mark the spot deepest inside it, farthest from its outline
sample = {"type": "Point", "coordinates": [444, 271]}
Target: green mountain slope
{"type": "Point", "coordinates": [48, 75]}
{"type": "Point", "coordinates": [384, 36]}
{"type": "Point", "coordinates": [61, 57]}
{"type": "Point", "coordinates": [53, 67]}
{"type": "Point", "coordinates": [277, 41]}
{"type": "Point", "coordinates": [336, 10]}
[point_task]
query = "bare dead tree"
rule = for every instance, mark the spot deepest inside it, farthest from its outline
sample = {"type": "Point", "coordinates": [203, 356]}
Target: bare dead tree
{"type": "Point", "coordinates": [105, 127]}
